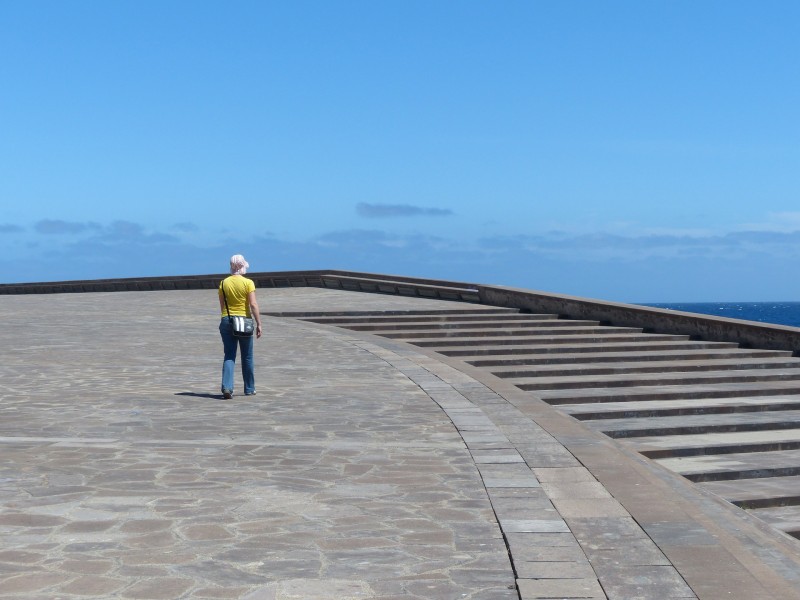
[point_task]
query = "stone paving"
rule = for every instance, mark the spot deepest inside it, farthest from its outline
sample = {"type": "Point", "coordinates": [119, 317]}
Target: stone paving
{"type": "Point", "coordinates": [362, 469]}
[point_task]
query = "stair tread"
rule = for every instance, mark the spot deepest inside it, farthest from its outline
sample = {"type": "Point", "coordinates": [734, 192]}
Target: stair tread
{"type": "Point", "coordinates": [655, 356]}
{"type": "Point", "coordinates": [744, 490]}
{"type": "Point", "coordinates": [467, 310]}
{"type": "Point", "coordinates": [465, 317]}
{"type": "Point", "coordinates": [734, 463]}
{"type": "Point", "coordinates": [545, 340]}
{"type": "Point", "coordinates": [580, 369]}
{"type": "Point", "coordinates": [707, 404]}
{"type": "Point", "coordinates": [785, 518]}
{"type": "Point", "coordinates": [566, 331]}
{"type": "Point", "coordinates": [544, 350]}
{"type": "Point", "coordinates": [522, 325]}
{"type": "Point", "coordinates": [711, 390]}
{"type": "Point", "coordinates": [654, 379]}
{"type": "Point", "coordinates": [750, 440]}
{"type": "Point", "coordinates": [695, 421]}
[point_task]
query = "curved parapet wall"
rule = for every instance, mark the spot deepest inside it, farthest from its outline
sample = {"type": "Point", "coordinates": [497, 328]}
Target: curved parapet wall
{"type": "Point", "coordinates": [656, 320]}
{"type": "Point", "coordinates": [745, 333]}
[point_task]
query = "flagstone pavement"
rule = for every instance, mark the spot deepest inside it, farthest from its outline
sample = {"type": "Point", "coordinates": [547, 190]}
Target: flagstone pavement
{"type": "Point", "coordinates": [363, 468]}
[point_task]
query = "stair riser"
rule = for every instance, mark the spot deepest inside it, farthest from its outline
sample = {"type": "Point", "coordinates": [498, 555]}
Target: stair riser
{"type": "Point", "coordinates": [589, 371]}
{"type": "Point", "coordinates": [688, 411]}
{"type": "Point", "coordinates": [565, 340]}
{"type": "Point", "coordinates": [447, 328]}
{"type": "Point", "coordinates": [701, 430]}
{"type": "Point", "coordinates": [421, 319]}
{"type": "Point", "coordinates": [654, 382]}
{"type": "Point", "coordinates": [530, 334]}
{"type": "Point", "coordinates": [590, 358]}
{"type": "Point", "coordinates": [545, 352]}
{"type": "Point", "coordinates": [656, 395]}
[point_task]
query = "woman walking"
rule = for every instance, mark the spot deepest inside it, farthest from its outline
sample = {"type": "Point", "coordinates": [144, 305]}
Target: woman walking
{"type": "Point", "coordinates": [237, 298]}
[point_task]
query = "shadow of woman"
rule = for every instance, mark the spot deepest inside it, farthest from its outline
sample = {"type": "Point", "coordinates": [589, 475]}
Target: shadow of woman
{"type": "Point", "coordinates": [196, 395]}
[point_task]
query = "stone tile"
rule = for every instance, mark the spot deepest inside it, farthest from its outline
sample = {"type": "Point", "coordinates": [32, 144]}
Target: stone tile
{"type": "Point", "coordinates": [206, 532]}
{"type": "Point", "coordinates": [575, 490]}
{"type": "Point", "coordinates": [25, 583]}
{"type": "Point", "coordinates": [164, 588]}
{"type": "Point", "coordinates": [216, 593]}
{"type": "Point", "coordinates": [87, 566]}
{"type": "Point", "coordinates": [496, 457]}
{"type": "Point", "coordinates": [672, 533]}
{"type": "Point", "coordinates": [572, 553]}
{"type": "Point", "coordinates": [622, 581]}
{"type": "Point", "coordinates": [534, 526]}
{"type": "Point", "coordinates": [511, 482]}
{"type": "Point", "coordinates": [93, 586]}
{"type": "Point", "coordinates": [583, 589]}
{"type": "Point", "coordinates": [554, 570]}
{"type": "Point", "coordinates": [21, 556]}
{"type": "Point", "coordinates": [87, 526]}
{"type": "Point", "coordinates": [632, 553]}
{"type": "Point", "coordinates": [589, 507]}
{"type": "Point", "coordinates": [563, 474]}
{"type": "Point", "coordinates": [540, 540]}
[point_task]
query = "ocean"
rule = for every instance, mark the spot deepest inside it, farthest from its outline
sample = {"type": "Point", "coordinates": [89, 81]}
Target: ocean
{"type": "Point", "coordinates": [780, 313]}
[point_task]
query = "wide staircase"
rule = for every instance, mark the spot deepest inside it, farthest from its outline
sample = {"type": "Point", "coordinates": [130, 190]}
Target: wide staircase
{"type": "Point", "coordinates": [725, 417]}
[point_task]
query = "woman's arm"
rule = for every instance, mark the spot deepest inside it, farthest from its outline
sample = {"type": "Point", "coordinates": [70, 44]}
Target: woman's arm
{"type": "Point", "coordinates": [251, 300]}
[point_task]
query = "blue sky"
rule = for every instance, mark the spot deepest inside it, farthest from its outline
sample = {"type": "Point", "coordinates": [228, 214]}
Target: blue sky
{"type": "Point", "coordinates": [634, 150]}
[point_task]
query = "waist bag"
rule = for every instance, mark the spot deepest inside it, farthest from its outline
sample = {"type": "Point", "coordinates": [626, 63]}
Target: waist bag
{"type": "Point", "coordinates": [240, 326]}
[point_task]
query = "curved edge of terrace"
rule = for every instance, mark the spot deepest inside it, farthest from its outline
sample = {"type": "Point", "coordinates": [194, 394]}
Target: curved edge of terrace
{"type": "Point", "coordinates": [623, 510]}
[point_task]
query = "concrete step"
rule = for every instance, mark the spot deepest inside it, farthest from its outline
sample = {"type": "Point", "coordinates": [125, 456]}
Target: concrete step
{"type": "Point", "coordinates": [637, 366]}
{"type": "Point", "coordinates": [438, 318]}
{"type": "Point", "coordinates": [588, 358]}
{"type": "Point", "coordinates": [544, 351]}
{"type": "Point", "coordinates": [544, 340]}
{"type": "Point", "coordinates": [711, 444]}
{"type": "Point", "coordinates": [669, 392]}
{"type": "Point", "coordinates": [741, 465]}
{"type": "Point", "coordinates": [655, 379]}
{"type": "Point", "coordinates": [467, 310]}
{"type": "Point", "coordinates": [489, 326]}
{"type": "Point", "coordinates": [667, 408]}
{"type": "Point", "coordinates": [758, 493]}
{"type": "Point", "coordinates": [698, 424]}
{"type": "Point", "coordinates": [499, 332]}
{"type": "Point", "coordinates": [784, 518]}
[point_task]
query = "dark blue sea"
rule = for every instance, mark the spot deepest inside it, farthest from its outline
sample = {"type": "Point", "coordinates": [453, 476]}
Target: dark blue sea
{"type": "Point", "coordinates": [780, 313]}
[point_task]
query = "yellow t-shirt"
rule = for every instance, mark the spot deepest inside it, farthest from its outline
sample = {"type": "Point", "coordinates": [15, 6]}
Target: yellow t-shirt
{"type": "Point", "coordinates": [236, 290]}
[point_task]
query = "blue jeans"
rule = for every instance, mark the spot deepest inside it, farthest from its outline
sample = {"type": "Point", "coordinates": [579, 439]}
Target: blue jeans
{"type": "Point", "coordinates": [230, 343]}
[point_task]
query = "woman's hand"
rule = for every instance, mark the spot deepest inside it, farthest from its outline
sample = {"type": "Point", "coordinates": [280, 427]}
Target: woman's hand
{"type": "Point", "coordinates": [258, 330]}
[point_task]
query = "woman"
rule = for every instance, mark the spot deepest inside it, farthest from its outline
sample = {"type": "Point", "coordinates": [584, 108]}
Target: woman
{"type": "Point", "coordinates": [240, 293]}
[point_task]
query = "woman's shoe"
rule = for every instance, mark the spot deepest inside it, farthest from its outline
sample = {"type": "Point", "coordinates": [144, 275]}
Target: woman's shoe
{"type": "Point", "coordinates": [227, 394]}
{"type": "Point", "coordinates": [253, 393]}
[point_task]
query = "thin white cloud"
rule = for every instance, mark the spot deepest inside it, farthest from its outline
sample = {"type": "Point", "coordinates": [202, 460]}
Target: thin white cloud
{"type": "Point", "coordinates": [391, 211]}
{"type": "Point", "coordinates": [786, 221]}
{"type": "Point", "coordinates": [612, 247]}
{"type": "Point", "coordinates": [59, 227]}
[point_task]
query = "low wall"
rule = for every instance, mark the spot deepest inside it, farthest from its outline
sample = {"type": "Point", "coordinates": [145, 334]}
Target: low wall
{"type": "Point", "coordinates": [657, 320]}
{"type": "Point", "coordinates": [745, 333]}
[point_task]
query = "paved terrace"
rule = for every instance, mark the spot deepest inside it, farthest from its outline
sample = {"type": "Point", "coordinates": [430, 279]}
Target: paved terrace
{"type": "Point", "coordinates": [366, 467]}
